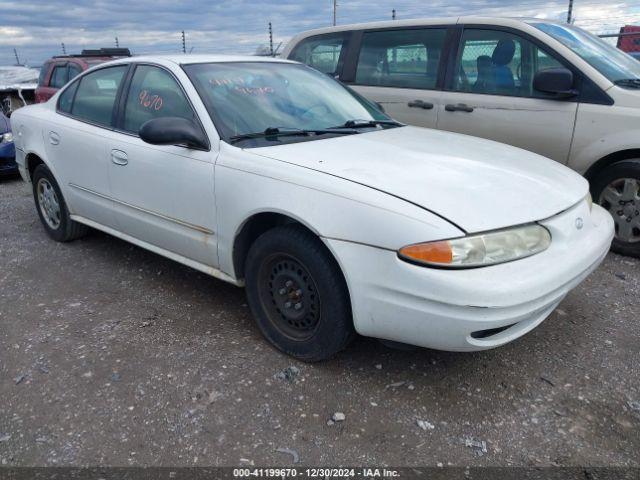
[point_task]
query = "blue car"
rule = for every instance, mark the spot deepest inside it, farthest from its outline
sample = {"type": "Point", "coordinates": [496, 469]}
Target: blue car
{"type": "Point", "coordinates": [8, 163]}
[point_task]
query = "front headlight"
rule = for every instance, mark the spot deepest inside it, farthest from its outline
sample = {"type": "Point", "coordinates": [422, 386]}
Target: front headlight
{"type": "Point", "coordinates": [7, 137]}
{"type": "Point", "coordinates": [480, 250]}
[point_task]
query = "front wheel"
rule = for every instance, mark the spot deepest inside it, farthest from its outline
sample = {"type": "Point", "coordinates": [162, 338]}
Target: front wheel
{"type": "Point", "coordinates": [297, 294]}
{"type": "Point", "coordinates": [617, 188]}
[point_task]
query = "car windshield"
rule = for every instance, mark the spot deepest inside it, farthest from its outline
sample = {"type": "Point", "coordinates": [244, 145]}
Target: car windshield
{"type": "Point", "coordinates": [258, 103]}
{"type": "Point", "coordinates": [611, 62]}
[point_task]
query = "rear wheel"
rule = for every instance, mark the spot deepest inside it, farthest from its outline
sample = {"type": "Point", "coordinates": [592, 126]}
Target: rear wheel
{"type": "Point", "coordinates": [52, 208]}
{"type": "Point", "coordinates": [617, 188]}
{"type": "Point", "coordinates": [297, 294]}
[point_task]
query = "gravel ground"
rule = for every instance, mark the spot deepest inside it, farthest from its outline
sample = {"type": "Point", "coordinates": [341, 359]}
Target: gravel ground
{"type": "Point", "coordinates": [116, 356]}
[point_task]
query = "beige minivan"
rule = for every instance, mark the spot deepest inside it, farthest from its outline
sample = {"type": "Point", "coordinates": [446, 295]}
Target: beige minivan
{"type": "Point", "coordinates": [547, 87]}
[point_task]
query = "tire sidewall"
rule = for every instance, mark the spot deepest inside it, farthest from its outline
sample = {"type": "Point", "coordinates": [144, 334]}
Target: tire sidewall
{"type": "Point", "coordinates": [335, 327]}
{"type": "Point", "coordinates": [58, 234]}
{"type": "Point", "coordinates": [623, 169]}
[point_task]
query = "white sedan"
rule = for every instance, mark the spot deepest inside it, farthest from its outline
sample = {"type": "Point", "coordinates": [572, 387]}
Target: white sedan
{"type": "Point", "coordinates": [337, 219]}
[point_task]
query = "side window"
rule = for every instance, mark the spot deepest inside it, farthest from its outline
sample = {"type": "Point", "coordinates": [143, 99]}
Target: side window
{"type": "Point", "coordinates": [401, 58]}
{"type": "Point", "coordinates": [74, 71]}
{"type": "Point", "coordinates": [96, 95]}
{"type": "Point", "coordinates": [43, 74]}
{"type": "Point", "coordinates": [66, 98]}
{"type": "Point", "coordinates": [154, 93]}
{"type": "Point", "coordinates": [59, 77]}
{"type": "Point", "coordinates": [321, 53]}
{"type": "Point", "coordinates": [499, 63]}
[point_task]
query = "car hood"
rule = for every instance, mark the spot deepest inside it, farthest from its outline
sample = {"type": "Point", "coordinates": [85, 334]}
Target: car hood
{"type": "Point", "coordinates": [476, 184]}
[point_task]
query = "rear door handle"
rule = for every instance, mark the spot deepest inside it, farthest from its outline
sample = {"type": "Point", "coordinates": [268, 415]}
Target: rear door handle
{"type": "Point", "coordinates": [54, 138]}
{"type": "Point", "coordinates": [420, 104]}
{"type": "Point", "coordinates": [461, 107]}
{"type": "Point", "coordinates": [119, 157]}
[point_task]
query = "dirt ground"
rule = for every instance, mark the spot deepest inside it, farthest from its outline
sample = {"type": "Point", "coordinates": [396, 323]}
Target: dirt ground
{"type": "Point", "coordinates": [113, 355]}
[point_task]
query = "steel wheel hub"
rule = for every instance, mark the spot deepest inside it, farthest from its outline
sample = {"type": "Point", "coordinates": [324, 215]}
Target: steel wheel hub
{"type": "Point", "coordinates": [290, 296]}
{"type": "Point", "coordinates": [48, 202]}
{"type": "Point", "coordinates": [622, 198]}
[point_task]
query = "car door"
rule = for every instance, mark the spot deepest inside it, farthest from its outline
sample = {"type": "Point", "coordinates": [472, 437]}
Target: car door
{"type": "Point", "coordinates": [76, 145]}
{"type": "Point", "coordinates": [163, 195]}
{"type": "Point", "coordinates": [489, 94]}
{"type": "Point", "coordinates": [401, 69]}
{"type": "Point", "coordinates": [53, 81]}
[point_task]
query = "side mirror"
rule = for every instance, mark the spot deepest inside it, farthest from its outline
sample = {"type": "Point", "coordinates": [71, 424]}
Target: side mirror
{"type": "Point", "coordinates": [556, 81]}
{"type": "Point", "coordinates": [173, 131]}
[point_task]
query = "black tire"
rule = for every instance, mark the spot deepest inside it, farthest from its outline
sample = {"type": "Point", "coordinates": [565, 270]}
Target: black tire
{"type": "Point", "coordinates": [627, 169]}
{"type": "Point", "coordinates": [66, 229]}
{"type": "Point", "coordinates": [289, 266]}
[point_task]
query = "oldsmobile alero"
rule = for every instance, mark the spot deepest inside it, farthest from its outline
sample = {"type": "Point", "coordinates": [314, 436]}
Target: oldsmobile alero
{"type": "Point", "coordinates": [337, 219]}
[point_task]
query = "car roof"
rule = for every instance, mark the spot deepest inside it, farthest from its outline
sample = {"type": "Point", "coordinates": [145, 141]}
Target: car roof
{"type": "Point", "coordinates": [419, 22]}
{"type": "Point", "coordinates": [188, 59]}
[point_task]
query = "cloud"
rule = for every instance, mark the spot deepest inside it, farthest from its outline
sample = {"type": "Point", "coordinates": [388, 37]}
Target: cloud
{"type": "Point", "coordinates": [37, 28]}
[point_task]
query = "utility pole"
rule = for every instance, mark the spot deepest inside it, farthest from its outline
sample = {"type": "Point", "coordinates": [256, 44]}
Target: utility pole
{"type": "Point", "coordinates": [15, 52]}
{"type": "Point", "coordinates": [335, 8]}
{"type": "Point", "coordinates": [393, 14]}
{"type": "Point", "coordinates": [270, 40]}
{"type": "Point", "coordinates": [64, 49]}
{"type": "Point", "coordinates": [570, 12]}
{"type": "Point", "coordinates": [117, 43]}
{"type": "Point", "coordinates": [184, 43]}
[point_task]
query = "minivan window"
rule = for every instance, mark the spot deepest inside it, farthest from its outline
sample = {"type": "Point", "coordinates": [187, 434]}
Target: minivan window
{"type": "Point", "coordinates": [321, 53]}
{"type": "Point", "coordinates": [154, 93]}
{"type": "Point", "coordinates": [401, 58]}
{"type": "Point", "coordinates": [96, 95]}
{"type": "Point", "coordinates": [499, 63]}
{"type": "Point", "coordinates": [614, 64]}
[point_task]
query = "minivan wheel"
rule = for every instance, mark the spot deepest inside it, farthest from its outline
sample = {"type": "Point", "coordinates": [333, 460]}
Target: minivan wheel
{"type": "Point", "coordinates": [297, 294]}
{"type": "Point", "coordinates": [52, 208]}
{"type": "Point", "coordinates": [617, 188]}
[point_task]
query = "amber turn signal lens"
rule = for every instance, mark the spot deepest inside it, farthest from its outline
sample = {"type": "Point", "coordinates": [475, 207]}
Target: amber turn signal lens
{"type": "Point", "coordinates": [435, 252]}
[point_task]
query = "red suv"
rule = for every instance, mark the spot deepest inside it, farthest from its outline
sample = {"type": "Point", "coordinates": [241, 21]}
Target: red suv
{"type": "Point", "coordinates": [57, 71]}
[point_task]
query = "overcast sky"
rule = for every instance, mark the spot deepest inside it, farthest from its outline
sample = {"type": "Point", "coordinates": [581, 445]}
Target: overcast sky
{"type": "Point", "coordinates": [37, 28]}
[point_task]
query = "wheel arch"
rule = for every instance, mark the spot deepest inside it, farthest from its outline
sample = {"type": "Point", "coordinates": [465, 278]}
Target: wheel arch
{"type": "Point", "coordinates": [32, 160]}
{"type": "Point", "coordinates": [254, 226]}
{"type": "Point", "coordinates": [608, 160]}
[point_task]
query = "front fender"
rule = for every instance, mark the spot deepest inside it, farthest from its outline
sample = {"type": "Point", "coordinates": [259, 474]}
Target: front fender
{"type": "Point", "coordinates": [333, 208]}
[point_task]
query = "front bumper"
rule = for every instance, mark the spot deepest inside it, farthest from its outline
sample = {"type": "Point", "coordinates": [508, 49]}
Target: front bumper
{"type": "Point", "coordinates": [458, 310]}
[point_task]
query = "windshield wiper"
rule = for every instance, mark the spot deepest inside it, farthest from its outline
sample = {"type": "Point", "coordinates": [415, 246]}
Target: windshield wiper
{"type": "Point", "coordinates": [628, 82]}
{"type": "Point", "coordinates": [275, 132]}
{"type": "Point", "coordinates": [370, 123]}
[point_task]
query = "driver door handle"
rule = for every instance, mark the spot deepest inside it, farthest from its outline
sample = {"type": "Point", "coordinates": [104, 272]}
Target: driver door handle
{"type": "Point", "coordinates": [420, 104]}
{"type": "Point", "coordinates": [461, 107]}
{"type": "Point", "coordinates": [119, 157]}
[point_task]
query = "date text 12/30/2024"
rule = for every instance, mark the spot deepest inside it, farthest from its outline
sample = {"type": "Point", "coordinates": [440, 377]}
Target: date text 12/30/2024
{"type": "Point", "coordinates": [315, 473]}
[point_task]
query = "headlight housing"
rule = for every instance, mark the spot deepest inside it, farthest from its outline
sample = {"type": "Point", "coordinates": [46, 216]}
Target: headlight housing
{"type": "Point", "coordinates": [6, 137]}
{"type": "Point", "coordinates": [480, 250]}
